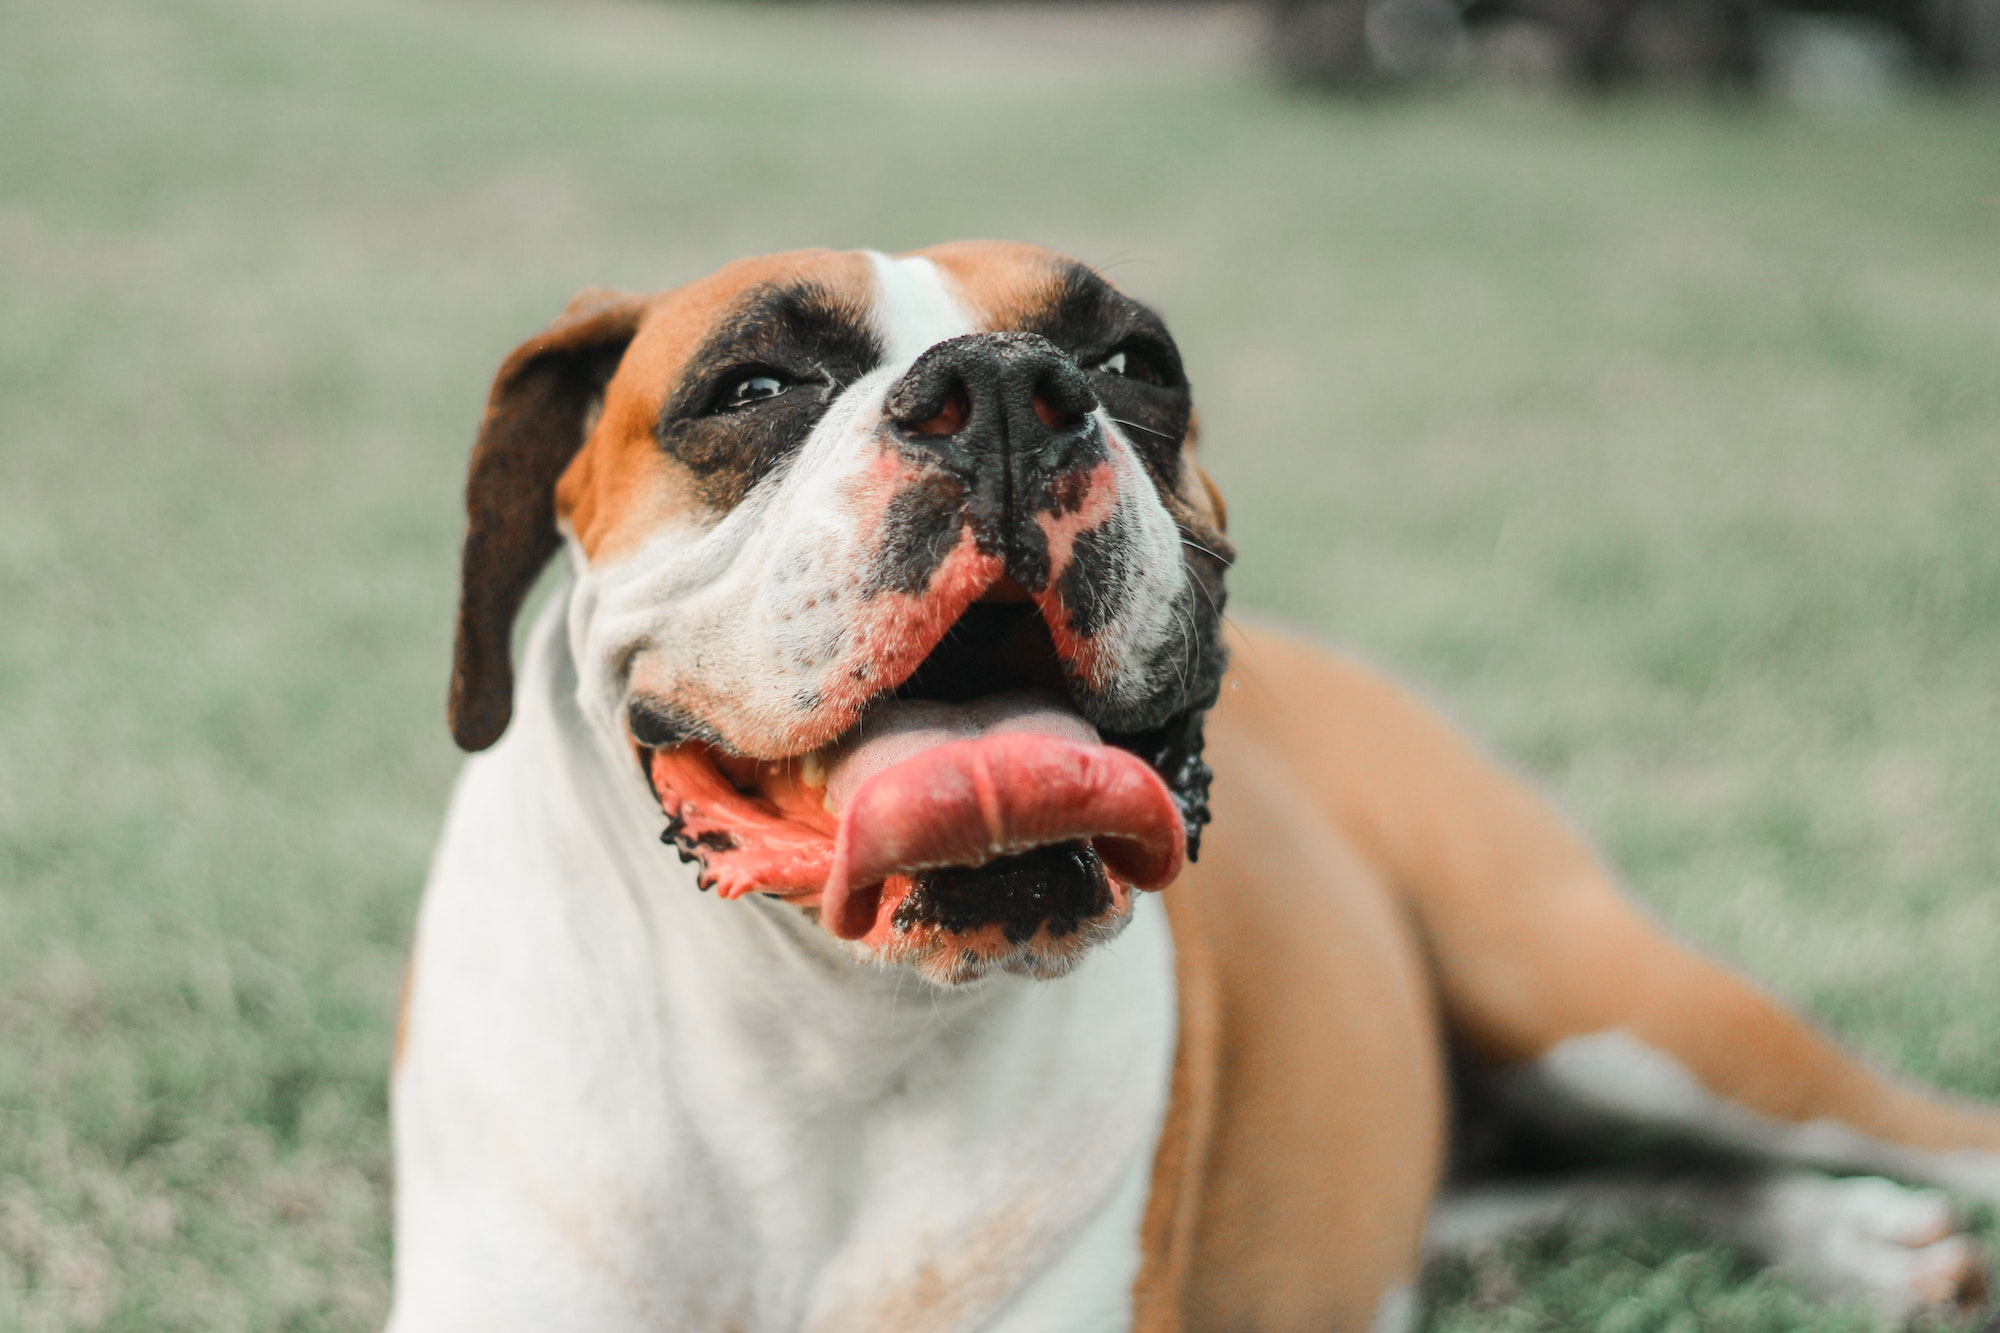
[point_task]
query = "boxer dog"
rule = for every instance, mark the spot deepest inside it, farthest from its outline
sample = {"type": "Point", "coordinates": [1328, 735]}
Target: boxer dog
{"type": "Point", "coordinates": [892, 899]}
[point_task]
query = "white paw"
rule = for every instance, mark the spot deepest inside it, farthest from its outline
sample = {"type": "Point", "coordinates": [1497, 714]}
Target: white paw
{"type": "Point", "coordinates": [1976, 1175]}
{"type": "Point", "coordinates": [1898, 1249]}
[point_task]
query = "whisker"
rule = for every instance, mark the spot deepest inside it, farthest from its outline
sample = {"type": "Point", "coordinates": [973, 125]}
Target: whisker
{"type": "Point", "coordinates": [1203, 549]}
{"type": "Point", "coordinates": [1133, 425]}
{"type": "Point", "coordinates": [1184, 659]}
{"type": "Point", "coordinates": [1209, 596]}
{"type": "Point", "coordinates": [1123, 259]}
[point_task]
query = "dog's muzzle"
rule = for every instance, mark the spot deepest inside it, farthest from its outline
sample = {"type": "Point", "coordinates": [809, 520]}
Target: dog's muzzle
{"type": "Point", "coordinates": [1010, 417]}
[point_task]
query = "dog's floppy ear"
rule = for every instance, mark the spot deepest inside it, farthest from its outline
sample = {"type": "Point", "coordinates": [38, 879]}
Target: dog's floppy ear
{"type": "Point", "coordinates": [536, 419]}
{"type": "Point", "coordinates": [1215, 501]}
{"type": "Point", "coordinates": [1189, 444]}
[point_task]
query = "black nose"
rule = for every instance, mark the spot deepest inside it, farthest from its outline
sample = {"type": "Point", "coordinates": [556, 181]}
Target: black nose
{"type": "Point", "coordinates": [1007, 401]}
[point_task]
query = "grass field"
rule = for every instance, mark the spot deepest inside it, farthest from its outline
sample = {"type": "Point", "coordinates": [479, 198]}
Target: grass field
{"type": "Point", "coordinates": [1662, 443]}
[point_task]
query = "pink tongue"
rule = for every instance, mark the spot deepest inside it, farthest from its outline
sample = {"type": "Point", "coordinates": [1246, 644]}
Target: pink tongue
{"type": "Point", "coordinates": [932, 784]}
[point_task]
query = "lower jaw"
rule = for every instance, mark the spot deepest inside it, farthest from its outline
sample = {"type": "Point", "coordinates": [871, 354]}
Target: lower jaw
{"type": "Point", "coordinates": [1035, 907]}
{"type": "Point", "coordinates": [960, 957]}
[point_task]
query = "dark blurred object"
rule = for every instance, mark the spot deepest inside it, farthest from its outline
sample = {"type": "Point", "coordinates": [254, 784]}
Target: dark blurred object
{"type": "Point", "coordinates": [1707, 45]}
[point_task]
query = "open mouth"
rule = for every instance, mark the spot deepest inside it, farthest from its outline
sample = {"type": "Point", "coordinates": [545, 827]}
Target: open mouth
{"type": "Point", "coordinates": [971, 801]}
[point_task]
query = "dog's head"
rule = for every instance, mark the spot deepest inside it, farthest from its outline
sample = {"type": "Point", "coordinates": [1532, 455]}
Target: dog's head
{"type": "Point", "coordinates": [896, 580]}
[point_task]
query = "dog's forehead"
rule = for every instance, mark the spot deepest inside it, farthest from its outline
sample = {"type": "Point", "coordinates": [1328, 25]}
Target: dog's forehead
{"type": "Point", "coordinates": [911, 300]}
{"type": "Point", "coordinates": [997, 285]}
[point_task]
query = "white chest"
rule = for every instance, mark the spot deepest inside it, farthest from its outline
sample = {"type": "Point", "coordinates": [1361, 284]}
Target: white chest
{"type": "Point", "coordinates": [625, 1105]}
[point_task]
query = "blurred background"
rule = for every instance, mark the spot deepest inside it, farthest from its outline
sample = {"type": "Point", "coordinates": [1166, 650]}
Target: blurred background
{"type": "Point", "coordinates": [1626, 373]}
{"type": "Point", "coordinates": [1811, 50]}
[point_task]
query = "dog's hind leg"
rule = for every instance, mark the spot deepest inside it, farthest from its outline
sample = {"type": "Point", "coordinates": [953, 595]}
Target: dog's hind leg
{"type": "Point", "coordinates": [1899, 1250]}
{"type": "Point", "coordinates": [1548, 974]}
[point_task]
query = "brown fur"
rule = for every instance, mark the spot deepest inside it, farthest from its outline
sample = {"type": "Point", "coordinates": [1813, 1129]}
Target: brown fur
{"type": "Point", "coordinates": [1368, 864]}
{"type": "Point", "coordinates": [1532, 942]}
{"type": "Point", "coordinates": [1306, 1130]}
{"type": "Point", "coordinates": [621, 487]}
{"type": "Point", "coordinates": [998, 282]}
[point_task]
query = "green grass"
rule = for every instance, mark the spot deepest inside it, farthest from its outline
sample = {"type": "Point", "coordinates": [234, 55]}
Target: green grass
{"type": "Point", "coordinates": [1663, 444]}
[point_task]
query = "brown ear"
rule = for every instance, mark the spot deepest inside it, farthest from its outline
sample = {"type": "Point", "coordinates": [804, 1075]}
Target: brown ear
{"type": "Point", "coordinates": [535, 422]}
{"type": "Point", "coordinates": [1190, 442]}
{"type": "Point", "coordinates": [1214, 498]}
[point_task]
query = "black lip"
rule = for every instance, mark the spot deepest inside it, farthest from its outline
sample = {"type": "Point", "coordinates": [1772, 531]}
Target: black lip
{"type": "Point", "coordinates": [658, 724]}
{"type": "Point", "coordinates": [1174, 751]}
{"type": "Point", "coordinates": [1059, 888]}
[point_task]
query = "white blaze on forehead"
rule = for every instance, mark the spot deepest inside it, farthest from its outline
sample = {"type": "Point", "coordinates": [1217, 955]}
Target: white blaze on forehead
{"type": "Point", "coordinates": [916, 308]}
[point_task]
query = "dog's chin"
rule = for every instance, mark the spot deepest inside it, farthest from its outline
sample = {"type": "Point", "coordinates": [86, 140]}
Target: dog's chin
{"type": "Point", "coordinates": [961, 958]}
{"type": "Point", "coordinates": [965, 955]}
{"type": "Point", "coordinates": [1034, 914]}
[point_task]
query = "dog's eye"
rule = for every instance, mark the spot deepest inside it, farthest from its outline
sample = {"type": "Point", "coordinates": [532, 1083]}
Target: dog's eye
{"type": "Point", "coordinates": [755, 389]}
{"type": "Point", "coordinates": [1134, 363]}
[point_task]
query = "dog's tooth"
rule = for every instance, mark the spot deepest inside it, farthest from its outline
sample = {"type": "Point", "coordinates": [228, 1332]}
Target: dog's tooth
{"type": "Point", "coordinates": [812, 770]}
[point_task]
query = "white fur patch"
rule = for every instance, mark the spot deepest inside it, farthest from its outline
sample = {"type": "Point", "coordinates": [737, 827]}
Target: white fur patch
{"type": "Point", "coordinates": [1396, 1312]}
{"type": "Point", "coordinates": [1896, 1248]}
{"type": "Point", "coordinates": [916, 308]}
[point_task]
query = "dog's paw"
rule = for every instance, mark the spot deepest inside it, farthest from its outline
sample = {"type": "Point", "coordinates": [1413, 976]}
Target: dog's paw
{"type": "Point", "coordinates": [1969, 1174]}
{"type": "Point", "coordinates": [1898, 1249]}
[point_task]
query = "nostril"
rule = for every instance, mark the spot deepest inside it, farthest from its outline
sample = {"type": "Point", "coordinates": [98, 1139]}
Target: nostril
{"type": "Point", "coordinates": [1062, 397]}
{"type": "Point", "coordinates": [950, 418]}
{"type": "Point", "coordinates": [1052, 416]}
